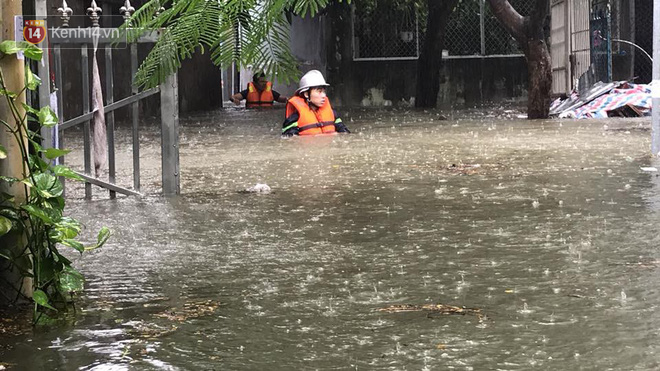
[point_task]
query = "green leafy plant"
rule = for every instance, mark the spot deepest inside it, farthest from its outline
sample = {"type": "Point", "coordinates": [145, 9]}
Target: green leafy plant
{"type": "Point", "coordinates": [35, 221]}
{"type": "Point", "coordinates": [246, 32]}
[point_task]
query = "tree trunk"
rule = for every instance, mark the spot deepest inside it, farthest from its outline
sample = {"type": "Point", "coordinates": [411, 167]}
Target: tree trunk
{"type": "Point", "coordinates": [430, 58]}
{"type": "Point", "coordinates": [539, 80]}
{"type": "Point", "coordinates": [529, 33]}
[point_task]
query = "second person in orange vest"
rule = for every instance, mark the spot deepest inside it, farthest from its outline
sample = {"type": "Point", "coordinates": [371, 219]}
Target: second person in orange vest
{"type": "Point", "coordinates": [259, 93]}
{"type": "Point", "coordinates": [309, 112]}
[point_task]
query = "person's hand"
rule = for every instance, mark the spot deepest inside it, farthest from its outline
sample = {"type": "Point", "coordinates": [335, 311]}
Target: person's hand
{"type": "Point", "coordinates": [236, 101]}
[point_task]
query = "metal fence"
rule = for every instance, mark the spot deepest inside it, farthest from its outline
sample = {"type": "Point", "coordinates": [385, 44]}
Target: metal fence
{"type": "Point", "coordinates": [387, 29]}
{"type": "Point", "coordinates": [390, 29]}
{"type": "Point", "coordinates": [473, 30]}
{"type": "Point", "coordinates": [632, 40]}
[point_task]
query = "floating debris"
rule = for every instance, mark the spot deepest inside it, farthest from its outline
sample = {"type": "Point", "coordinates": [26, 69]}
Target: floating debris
{"type": "Point", "coordinates": [150, 330]}
{"type": "Point", "coordinates": [434, 308]}
{"type": "Point", "coordinates": [190, 310]}
{"type": "Point", "coordinates": [469, 169]}
{"type": "Point", "coordinates": [259, 188]}
{"type": "Point", "coordinates": [602, 100]}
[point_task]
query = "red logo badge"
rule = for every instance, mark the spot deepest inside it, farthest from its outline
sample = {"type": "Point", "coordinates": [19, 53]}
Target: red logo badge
{"type": "Point", "coordinates": [34, 31]}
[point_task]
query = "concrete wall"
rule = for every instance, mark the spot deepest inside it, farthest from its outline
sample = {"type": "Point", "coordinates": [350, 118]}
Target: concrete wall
{"type": "Point", "coordinates": [464, 82]}
{"type": "Point", "coordinates": [309, 40]}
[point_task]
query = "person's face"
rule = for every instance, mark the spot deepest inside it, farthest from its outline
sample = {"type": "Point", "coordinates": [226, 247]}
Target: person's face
{"type": "Point", "coordinates": [261, 83]}
{"type": "Point", "coordinates": [317, 96]}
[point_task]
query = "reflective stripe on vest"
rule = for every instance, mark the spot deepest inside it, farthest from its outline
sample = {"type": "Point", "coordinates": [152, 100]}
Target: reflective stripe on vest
{"type": "Point", "coordinates": [256, 99]}
{"type": "Point", "coordinates": [321, 121]}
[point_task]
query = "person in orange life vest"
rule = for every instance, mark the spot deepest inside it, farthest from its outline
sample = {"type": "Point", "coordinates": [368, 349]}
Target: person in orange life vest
{"type": "Point", "coordinates": [259, 93]}
{"type": "Point", "coordinates": [309, 112]}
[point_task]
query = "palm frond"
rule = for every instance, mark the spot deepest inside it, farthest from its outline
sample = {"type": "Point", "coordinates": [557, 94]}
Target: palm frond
{"type": "Point", "coordinates": [247, 32]}
{"type": "Point", "coordinates": [194, 27]}
{"type": "Point", "coordinates": [302, 7]}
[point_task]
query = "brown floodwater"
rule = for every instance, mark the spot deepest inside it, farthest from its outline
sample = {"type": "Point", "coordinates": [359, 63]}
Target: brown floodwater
{"type": "Point", "coordinates": [548, 227]}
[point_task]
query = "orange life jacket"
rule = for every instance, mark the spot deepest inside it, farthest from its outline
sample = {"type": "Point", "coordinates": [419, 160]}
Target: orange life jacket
{"type": "Point", "coordinates": [259, 99]}
{"type": "Point", "coordinates": [321, 121]}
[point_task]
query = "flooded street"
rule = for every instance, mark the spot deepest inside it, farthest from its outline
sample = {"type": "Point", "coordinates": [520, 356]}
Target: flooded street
{"type": "Point", "coordinates": [550, 228]}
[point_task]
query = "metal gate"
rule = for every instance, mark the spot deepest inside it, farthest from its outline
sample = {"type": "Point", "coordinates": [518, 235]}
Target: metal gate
{"type": "Point", "coordinates": [560, 46]}
{"type": "Point", "coordinates": [168, 97]}
{"type": "Point", "coordinates": [570, 43]}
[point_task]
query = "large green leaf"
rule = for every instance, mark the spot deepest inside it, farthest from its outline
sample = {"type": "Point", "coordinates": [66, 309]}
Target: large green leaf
{"type": "Point", "coordinates": [31, 51]}
{"type": "Point", "coordinates": [67, 228]}
{"type": "Point", "coordinates": [61, 170]}
{"type": "Point", "coordinates": [32, 81]}
{"type": "Point", "coordinates": [5, 225]}
{"type": "Point", "coordinates": [101, 239]}
{"type": "Point", "coordinates": [38, 212]}
{"type": "Point", "coordinates": [56, 203]}
{"type": "Point", "coordinates": [41, 298]}
{"type": "Point", "coordinates": [103, 236]}
{"type": "Point", "coordinates": [48, 185]}
{"type": "Point", "coordinates": [47, 269]}
{"type": "Point", "coordinates": [71, 281]}
{"type": "Point", "coordinates": [36, 162]}
{"type": "Point", "coordinates": [47, 117]}
{"type": "Point", "coordinates": [75, 244]}
{"type": "Point", "coordinates": [30, 109]}
{"type": "Point", "coordinates": [4, 196]}
{"type": "Point", "coordinates": [9, 47]}
{"type": "Point", "coordinates": [52, 153]}
{"type": "Point", "coordinates": [61, 258]}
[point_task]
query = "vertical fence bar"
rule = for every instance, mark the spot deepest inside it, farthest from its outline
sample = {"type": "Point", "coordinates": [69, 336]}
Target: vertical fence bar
{"type": "Point", "coordinates": [43, 69]}
{"type": "Point", "coordinates": [417, 52]}
{"type": "Point", "coordinates": [110, 117]}
{"type": "Point", "coordinates": [134, 119]}
{"type": "Point", "coordinates": [482, 25]}
{"type": "Point", "coordinates": [567, 47]}
{"type": "Point", "coordinates": [57, 65]}
{"type": "Point", "coordinates": [655, 90]}
{"type": "Point", "coordinates": [87, 133]}
{"type": "Point", "coordinates": [169, 114]}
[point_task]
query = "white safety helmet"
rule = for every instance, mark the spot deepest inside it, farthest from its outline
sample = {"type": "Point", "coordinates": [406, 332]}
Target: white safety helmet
{"type": "Point", "coordinates": [311, 79]}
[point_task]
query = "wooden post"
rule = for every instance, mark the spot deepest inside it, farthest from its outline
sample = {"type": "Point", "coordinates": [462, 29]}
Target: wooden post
{"type": "Point", "coordinates": [169, 115]}
{"type": "Point", "coordinates": [12, 166]}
